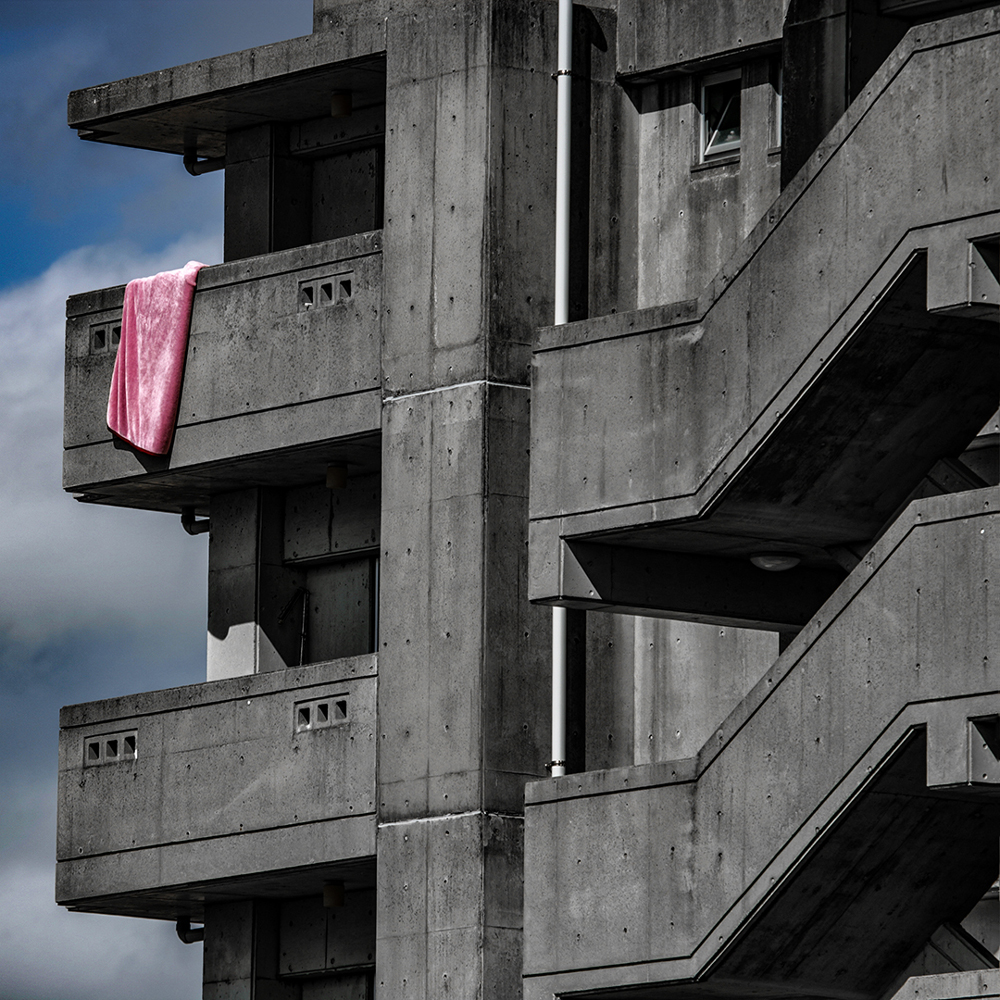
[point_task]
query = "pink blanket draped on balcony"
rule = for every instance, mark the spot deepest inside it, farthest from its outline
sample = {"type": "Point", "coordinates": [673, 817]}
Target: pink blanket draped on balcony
{"type": "Point", "coordinates": [146, 384]}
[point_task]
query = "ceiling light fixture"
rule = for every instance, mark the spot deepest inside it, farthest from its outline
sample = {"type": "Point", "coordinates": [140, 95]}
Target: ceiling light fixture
{"type": "Point", "coordinates": [775, 562]}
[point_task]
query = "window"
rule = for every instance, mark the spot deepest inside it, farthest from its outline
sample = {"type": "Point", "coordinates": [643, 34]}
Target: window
{"type": "Point", "coordinates": [720, 113]}
{"type": "Point", "coordinates": [777, 85]}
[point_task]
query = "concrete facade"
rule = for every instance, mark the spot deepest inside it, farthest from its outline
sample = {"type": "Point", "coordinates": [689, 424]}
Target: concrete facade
{"type": "Point", "coordinates": [784, 292]}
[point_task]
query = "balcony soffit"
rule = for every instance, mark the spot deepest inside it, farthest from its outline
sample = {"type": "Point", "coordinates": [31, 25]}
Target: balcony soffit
{"type": "Point", "coordinates": [198, 103]}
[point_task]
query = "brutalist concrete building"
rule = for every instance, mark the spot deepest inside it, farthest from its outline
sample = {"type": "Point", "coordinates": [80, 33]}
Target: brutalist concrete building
{"type": "Point", "coordinates": [757, 467]}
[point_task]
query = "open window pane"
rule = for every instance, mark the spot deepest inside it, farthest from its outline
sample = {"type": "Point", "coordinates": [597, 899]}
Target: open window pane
{"type": "Point", "coordinates": [720, 104]}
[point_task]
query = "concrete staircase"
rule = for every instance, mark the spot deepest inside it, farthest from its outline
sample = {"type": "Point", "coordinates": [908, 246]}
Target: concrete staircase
{"type": "Point", "coordinates": [849, 807]}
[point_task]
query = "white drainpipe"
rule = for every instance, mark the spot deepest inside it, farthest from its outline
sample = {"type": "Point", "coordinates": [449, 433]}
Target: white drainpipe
{"type": "Point", "coordinates": [563, 93]}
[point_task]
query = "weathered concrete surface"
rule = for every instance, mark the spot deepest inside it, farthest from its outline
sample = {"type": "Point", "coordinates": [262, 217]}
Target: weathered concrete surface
{"type": "Point", "coordinates": [241, 953]}
{"type": "Point", "coordinates": [222, 784]}
{"type": "Point", "coordinates": [337, 15]}
{"type": "Point", "coordinates": [463, 723]}
{"type": "Point", "coordinates": [693, 216]}
{"type": "Point", "coordinates": [321, 522]}
{"type": "Point", "coordinates": [604, 252]}
{"type": "Point", "coordinates": [270, 552]}
{"type": "Point", "coordinates": [955, 947]}
{"type": "Point", "coordinates": [268, 194]}
{"type": "Point", "coordinates": [249, 586]}
{"type": "Point", "coordinates": [826, 753]}
{"type": "Point", "coordinates": [831, 51]}
{"type": "Point", "coordinates": [263, 372]}
{"type": "Point", "coordinates": [315, 939]}
{"type": "Point", "coordinates": [467, 235]}
{"type": "Point", "coordinates": [952, 986]}
{"type": "Point", "coordinates": [655, 36]}
{"type": "Point", "coordinates": [462, 719]}
{"type": "Point", "coordinates": [643, 418]}
{"type": "Point", "coordinates": [450, 897]}
{"type": "Point", "coordinates": [656, 690]}
{"type": "Point", "coordinates": [463, 656]}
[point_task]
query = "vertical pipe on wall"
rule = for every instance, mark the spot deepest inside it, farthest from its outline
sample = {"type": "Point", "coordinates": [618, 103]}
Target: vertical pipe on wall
{"type": "Point", "coordinates": [564, 83]}
{"type": "Point", "coordinates": [563, 94]}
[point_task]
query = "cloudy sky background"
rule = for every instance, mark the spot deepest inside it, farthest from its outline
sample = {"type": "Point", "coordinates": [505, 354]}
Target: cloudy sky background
{"type": "Point", "coordinates": [94, 602]}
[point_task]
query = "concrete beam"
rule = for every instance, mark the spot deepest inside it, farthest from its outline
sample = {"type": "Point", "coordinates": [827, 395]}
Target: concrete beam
{"type": "Point", "coordinates": [682, 586]}
{"type": "Point", "coordinates": [200, 102]}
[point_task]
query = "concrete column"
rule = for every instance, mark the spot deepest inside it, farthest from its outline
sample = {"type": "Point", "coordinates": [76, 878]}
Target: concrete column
{"type": "Point", "coordinates": [241, 953]}
{"type": "Point", "coordinates": [248, 586]}
{"type": "Point", "coordinates": [463, 699]}
{"type": "Point", "coordinates": [463, 659]}
{"type": "Point", "coordinates": [268, 202]}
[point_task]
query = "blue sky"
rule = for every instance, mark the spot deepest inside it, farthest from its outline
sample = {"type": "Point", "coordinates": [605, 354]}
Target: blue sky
{"type": "Point", "coordinates": [93, 602]}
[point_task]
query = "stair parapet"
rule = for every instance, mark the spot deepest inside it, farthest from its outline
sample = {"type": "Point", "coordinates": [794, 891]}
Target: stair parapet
{"type": "Point", "coordinates": [870, 712]}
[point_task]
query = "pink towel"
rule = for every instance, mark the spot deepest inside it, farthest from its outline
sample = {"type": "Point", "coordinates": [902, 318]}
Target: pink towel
{"type": "Point", "coordinates": [146, 384]}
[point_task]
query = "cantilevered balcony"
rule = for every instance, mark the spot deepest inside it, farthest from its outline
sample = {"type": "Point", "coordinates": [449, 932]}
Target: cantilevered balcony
{"type": "Point", "coordinates": [240, 788]}
{"type": "Point", "coordinates": [281, 380]}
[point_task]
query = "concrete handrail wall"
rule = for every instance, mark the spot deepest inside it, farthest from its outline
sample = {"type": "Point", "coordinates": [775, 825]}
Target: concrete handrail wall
{"type": "Point", "coordinates": [690, 850]}
{"type": "Point", "coordinates": [697, 386]}
{"type": "Point", "coordinates": [282, 348]}
{"type": "Point", "coordinates": [222, 781]}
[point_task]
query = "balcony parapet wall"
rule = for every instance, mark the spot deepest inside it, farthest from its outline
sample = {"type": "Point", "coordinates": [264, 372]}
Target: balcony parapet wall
{"type": "Point", "coordinates": [172, 798]}
{"type": "Point", "coordinates": [283, 356]}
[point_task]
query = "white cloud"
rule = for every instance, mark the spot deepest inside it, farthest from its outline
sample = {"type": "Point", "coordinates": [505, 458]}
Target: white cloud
{"type": "Point", "coordinates": [51, 954]}
{"type": "Point", "coordinates": [78, 585]}
{"type": "Point", "coordinates": [93, 601]}
{"type": "Point", "coordinates": [63, 565]}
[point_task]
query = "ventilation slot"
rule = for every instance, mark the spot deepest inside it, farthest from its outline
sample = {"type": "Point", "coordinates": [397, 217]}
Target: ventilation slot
{"type": "Point", "coordinates": [111, 748]}
{"type": "Point", "coordinates": [104, 338]}
{"type": "Point", "coordinates": [321, 293]}
{"type": "Point", "coordinates": [321, 713]}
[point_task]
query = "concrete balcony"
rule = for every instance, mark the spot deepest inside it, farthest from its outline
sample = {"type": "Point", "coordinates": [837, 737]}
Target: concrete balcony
{"type": "Point", "coordinates": [281, 379]}
{"type": "Point", "coordinates": [247, 787]}
{"type": "Point", "coordinates": [844, 352]}
{"type": "Point", "coordinates": [840, 815]}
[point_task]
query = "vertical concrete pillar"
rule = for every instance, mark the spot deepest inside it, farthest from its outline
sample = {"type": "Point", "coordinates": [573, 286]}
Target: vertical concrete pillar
{"type": "Point", "coordinates": [248, 586]}
{"type": "Point", "coordinates": [463, 694]}
{"type": "Point", "coordinates": [829, 52]}
{"type": "Point", "coordinates": [268, 200]}
{"type": "Point", "coordinates": [463, 675]}
{"type": "Point", "coordinates": [241, 953]}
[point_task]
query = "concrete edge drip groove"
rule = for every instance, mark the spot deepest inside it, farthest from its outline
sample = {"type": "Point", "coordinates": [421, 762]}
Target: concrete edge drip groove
{"type": "Point", "coordinates": [138, 848]}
